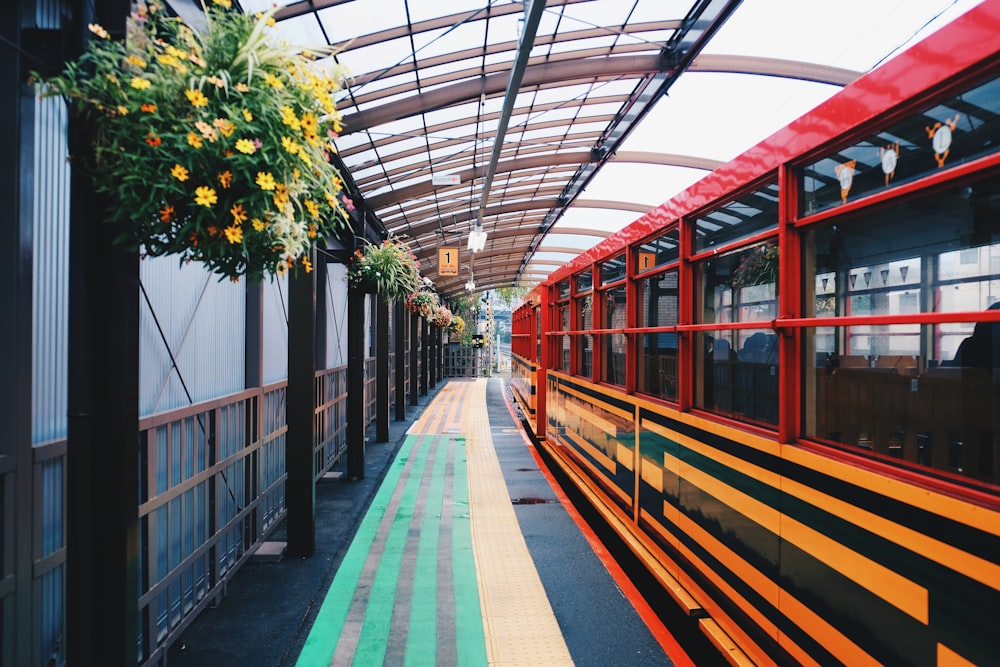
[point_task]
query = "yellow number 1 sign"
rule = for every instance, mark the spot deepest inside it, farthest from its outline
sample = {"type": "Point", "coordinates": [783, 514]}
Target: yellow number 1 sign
{"type": "Point", "coordinates": [447, 261]}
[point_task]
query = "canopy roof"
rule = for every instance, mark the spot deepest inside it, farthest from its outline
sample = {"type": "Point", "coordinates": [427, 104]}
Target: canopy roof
{"type": "Point", "coordinates": [554, 125]}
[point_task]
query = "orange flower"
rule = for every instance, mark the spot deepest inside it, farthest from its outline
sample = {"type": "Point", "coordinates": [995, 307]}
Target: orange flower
{"type": "Point", "coordinates": [148, 108]}
{"type": "Point", "coordinates": [167, 213]}
{"type": "Point", "coordinates": [225, 179]}
{"type": "Point", "coordinates": [153, 140]}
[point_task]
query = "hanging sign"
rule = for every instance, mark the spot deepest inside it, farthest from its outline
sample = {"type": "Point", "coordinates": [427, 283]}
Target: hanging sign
{"type": "Point", "coordinates": [647, 260]}
{"type": "Point", "coordinates": [447, 261]}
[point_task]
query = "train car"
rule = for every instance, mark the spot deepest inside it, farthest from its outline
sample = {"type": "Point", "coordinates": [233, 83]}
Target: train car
{"type": "Point", "coordinates": [781, 386]}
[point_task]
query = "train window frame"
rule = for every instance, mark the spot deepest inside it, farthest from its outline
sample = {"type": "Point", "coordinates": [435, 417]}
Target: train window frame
{"type": "Point", "coordinates": [582, 312]}
{"type": "Point", "coordinates": [610, 344]}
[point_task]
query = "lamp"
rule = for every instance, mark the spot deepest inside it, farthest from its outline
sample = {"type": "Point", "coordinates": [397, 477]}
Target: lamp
{"type": "Point", "coordinates": [477, 238]}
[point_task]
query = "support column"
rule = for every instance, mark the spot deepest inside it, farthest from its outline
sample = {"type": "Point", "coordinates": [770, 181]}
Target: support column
{"type": "Point", "coordinates": [300, 489]}
{"type": "Point", "coordinates": [102, 549]}
{"type": "Point", "coordinates": [414, 357]}
{"type": "Point", "coordinates": [382, 371]}
{"type": "Point", "coordinates": [424, 355]}
{"type": "Point", "coordinates": [399, 331]}
{"type": "Point", "coordinates": [355, 383]}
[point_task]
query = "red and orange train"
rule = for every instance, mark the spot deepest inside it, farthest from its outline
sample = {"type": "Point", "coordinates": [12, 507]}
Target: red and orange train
{"type": "Point", "coordinates": [782, 387]}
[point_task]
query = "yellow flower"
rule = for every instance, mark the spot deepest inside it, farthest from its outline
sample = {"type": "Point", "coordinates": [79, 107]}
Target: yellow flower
{"type": "Point", "coordinates": [313, 209]}
{"type": "Point", "coordinates": [310, 123]}
{"type": "Point", "coordinates": [273, 81]}
{"type": "Point", "coordinates": [225, 179]}
{"type": "Point", "coordinates": [247, 115]}
{"type": "Point", "coordinates": [307, 264]}
{"type": "Point", "coordinates": [98, 30]}
{"type": "Point", "coordinates": [245, 146]}
{"type": "Point", "coordinates": [312, 231]}
{"type": "Point", "coordinates": [122, 110]}
{"type": "Point", "coordinates": [234, 233]}
{"type": "Point", "coordinates": [242, 87]}
{"type": "Point", "coordinates": [216, 81]}
{"type": "Point", "coordinates": [205, 196]}
{"type": "Point", "coordinates": [289, 118]}
{"type": "Point", "coordinates": [137, 61]}
{"type": "Point", "coordinates": [225, 126]}
{"type": "Point", "coordinates": [265, 180]}
{"type": "Point", "coordinates": [225, 3]}
{"type": "Point", "coordinates": [196, 98]}
{"type": "Point", "coordinates": [140, 84]}
{"type": "Point", "coordinates": [239, 213]}
{"type": "Point", "coordinates": [194, 140]}
{"type": "Point", "coordinates": [258, 224]}
{"type": "Point", "coordinates": [290, 145]}
{"type": "Point", "coordinates": [180, 173]}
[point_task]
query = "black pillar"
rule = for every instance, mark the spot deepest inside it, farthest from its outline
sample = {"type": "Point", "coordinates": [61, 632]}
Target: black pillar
{"type": "Point", "coordinates": [424, 354]}
{"type": "Point", "coordinates": [414, 357]}
{"type": "Point", "coordinates": [399, 333]}
{"type": "Point", "coordinates": [382, 371]}
{"type": "Point", "coordinates": [102, 548]}
{"type": "Point", "coordinates": [355, 383]}
{"type": "Point", "coordinates": [300, 463]}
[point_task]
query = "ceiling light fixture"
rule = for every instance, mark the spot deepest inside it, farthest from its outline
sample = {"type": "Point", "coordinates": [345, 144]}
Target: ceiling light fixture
{"type": "Point", "coordinates": [477, 238]}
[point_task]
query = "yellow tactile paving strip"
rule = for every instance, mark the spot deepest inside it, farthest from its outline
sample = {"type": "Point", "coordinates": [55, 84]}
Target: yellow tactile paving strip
{"type": "Point", "coordinates": [520, 628]}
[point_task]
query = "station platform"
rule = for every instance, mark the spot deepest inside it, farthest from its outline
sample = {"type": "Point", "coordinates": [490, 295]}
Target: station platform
{"type": "Point", "coordinates": [466, 554]}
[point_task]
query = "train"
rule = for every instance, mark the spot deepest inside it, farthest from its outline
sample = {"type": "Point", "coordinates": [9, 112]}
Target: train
{"type": "Point", "coordinates": [781, 386]}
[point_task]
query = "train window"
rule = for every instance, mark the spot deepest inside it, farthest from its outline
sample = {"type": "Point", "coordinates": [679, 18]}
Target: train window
{"type": "Point", "coordinates": [613, 270]}
{"type": "Point", "coordinates": [737, 369]}
{"type": "Point", "coordinates": [584, 341]}
{"type": "Point", "coordinates": [751, 213]}
{"type": "Point", "coordinates": [561, 344]}
{"type": "Point", "coordinates": [957, 130]}
{"type": "Point", "coordinates": [562, 290]}
{"type": "Point", "coordinates": [659, 252]}
{"type": "Point", "coordinates": [926, 393]}
{"type": "Point", "coordinates": [657, 368]}
{"type": "Point", "coordinates": [584, 281]}
{"type": "Point", "coordinates": [613, 344]}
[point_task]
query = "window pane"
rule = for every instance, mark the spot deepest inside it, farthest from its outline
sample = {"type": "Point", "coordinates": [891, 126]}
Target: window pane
{"type": "Point", "coordinates": [738, 374]}
{"type": "Point", "coordinates": [613, 270]}
{"type": "Point", "coordinates": [657, 369]}
{"type": "Point", "coordinates": [751, 213]}
{"type": "Point", "coordinates": [661, 250]}
{"type": "Point", "coordinates": [740, 286]}
{"type": "Point", "coordinates": [613, 345]}
{"type": "Point", "coordinates": [924, 393]}
{"type": "Point", "coordinates": [584, 344]}
{"type": "Point", "coordinates": [584, 281]}
{"type": "Point", "coordinates": [961, 129]}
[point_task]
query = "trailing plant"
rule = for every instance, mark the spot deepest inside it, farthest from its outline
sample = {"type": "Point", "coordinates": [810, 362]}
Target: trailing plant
{"type": "Point", "coordinates": [758, 266]}
{"type": "Point", "coordinates": [212, 145]}
{"type": "Point", "coordinates": [389, 269]}
{"type": "Point", "coordinates": [422, 302]}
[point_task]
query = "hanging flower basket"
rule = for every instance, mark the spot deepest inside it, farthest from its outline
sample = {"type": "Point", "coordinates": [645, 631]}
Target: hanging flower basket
{"type": "Point", "coordinates": [457, 325]}
{"type": "Point", "coordinates": [422, 302]}
{"type": "Point", "coordinates": [441, 317]}
{"type": "Point", "coordinates": [389, 269]}
{"type": "Point", "coordinates": [213, 145]}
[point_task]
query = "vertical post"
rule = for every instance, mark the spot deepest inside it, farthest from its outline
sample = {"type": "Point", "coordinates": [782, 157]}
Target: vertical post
{"type": "Point", "coordinates": [355, 383]}
{"type": "Point", "coordinates": [382, 371]}
{"type": "Point", "coordinates": [399, 333]}
{"type": "Point", "coordinates": [414, 357]}
{"type": "Point", "coordinates": [102, 549]}
{"type": "Point", "coordinates": [300, 489]}
{"type": "Point", "coordinates": [424, 355]}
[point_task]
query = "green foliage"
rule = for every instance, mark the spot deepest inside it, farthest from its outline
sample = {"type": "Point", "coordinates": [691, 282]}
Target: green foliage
{"type": "Point", "coordinates": [758, 266]}
{"type": "Point", "coordinates": [212, 146]}
{"type": "Point", "coordinates": [510, 296]}
{"type": "Point", "coordinates": [389, 269]}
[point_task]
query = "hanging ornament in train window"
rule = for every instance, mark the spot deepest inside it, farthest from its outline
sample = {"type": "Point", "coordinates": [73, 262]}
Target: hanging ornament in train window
{"type": "Point", "coordinates": [890, 156]}
{"type": "Point", "coordinates": [940, 136]}
{"type": "Point", "coordinates": [845, 174]}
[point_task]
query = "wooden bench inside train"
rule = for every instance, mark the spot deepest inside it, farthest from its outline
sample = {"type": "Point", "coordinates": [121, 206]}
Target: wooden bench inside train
{"type": "Point", "coordinates": [945, 417]}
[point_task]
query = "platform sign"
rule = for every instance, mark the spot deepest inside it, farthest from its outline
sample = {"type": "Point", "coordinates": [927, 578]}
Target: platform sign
{"type": "Point", "coordinates": [447, 261]}
{"type": "Point", "coordinates": [647, 260]}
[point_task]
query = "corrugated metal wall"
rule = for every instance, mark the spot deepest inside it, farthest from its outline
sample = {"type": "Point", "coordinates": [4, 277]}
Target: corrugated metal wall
{"type": "Point", "coordinates": [199, 321]}
{"type": "Point", "coordinates": [50, 276]}
{"type": "Point", "coordinates": [336, 315]}
{"type": "Point", "coordinates": [275, 362]}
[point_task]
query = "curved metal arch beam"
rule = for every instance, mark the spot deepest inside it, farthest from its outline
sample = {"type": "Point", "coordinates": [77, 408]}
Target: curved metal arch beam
{"type": "Point", "coordinates": [502, 47]}
{"type": "Point", "coordinates": [572, 70]}
{"type": "Point", "coordinates": [431, 226]}
{"type": "Point", "coordinates": [546, 160]}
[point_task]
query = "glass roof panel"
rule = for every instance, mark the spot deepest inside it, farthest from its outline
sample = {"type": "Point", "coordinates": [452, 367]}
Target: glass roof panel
{"type": "Point", "coordinates": [571, 103]}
